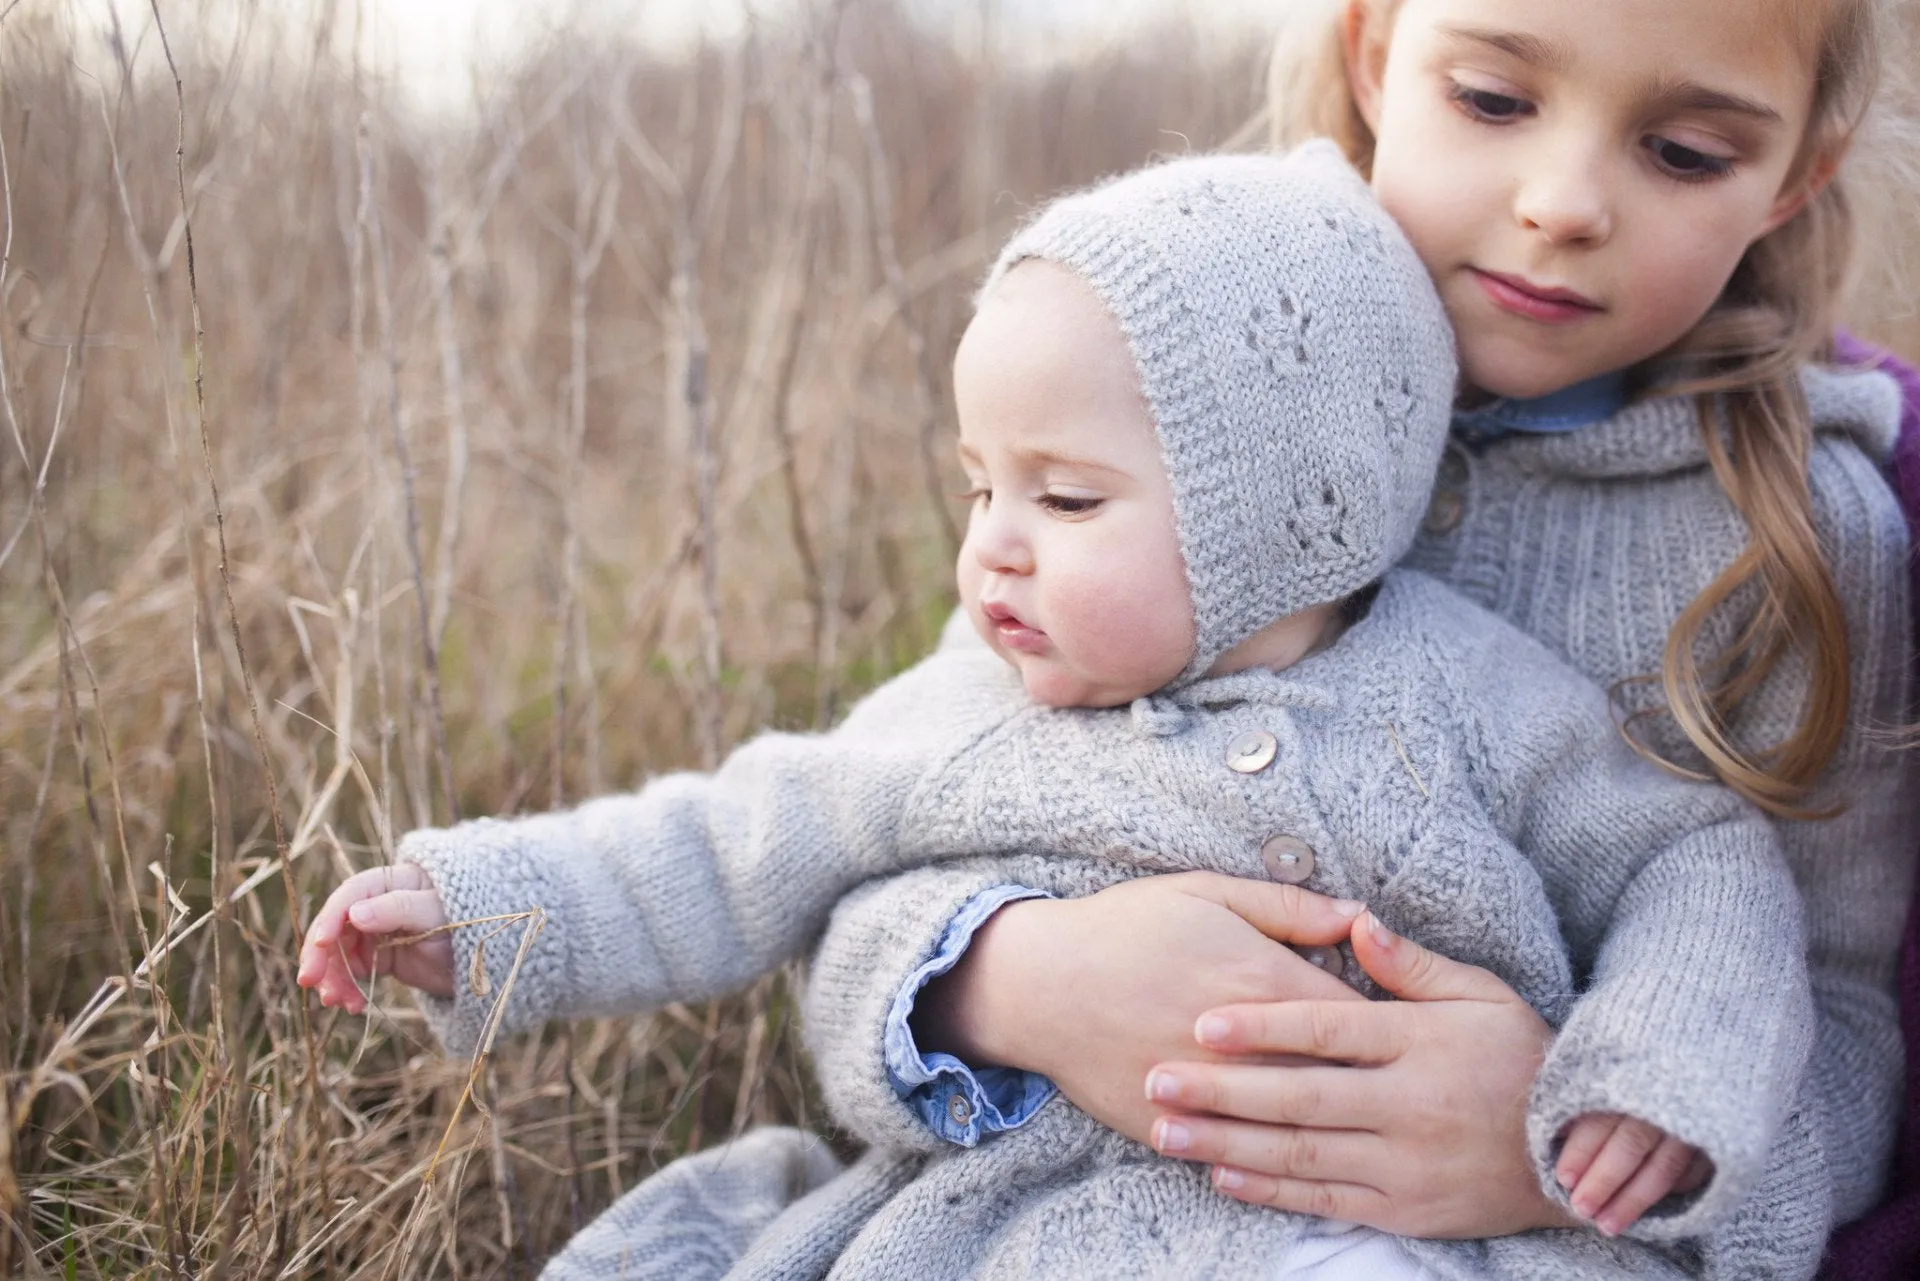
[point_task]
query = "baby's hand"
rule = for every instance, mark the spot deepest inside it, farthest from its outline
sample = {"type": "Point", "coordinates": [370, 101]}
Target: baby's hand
{"type": "Point", "coordinates": [1615, 1166]}
{"type": "Point", "coordinates": [342, 948]}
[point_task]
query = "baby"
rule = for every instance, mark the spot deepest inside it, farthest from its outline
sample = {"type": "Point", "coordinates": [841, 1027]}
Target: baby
{"type": "Point", "coordinates": [1201, 408]}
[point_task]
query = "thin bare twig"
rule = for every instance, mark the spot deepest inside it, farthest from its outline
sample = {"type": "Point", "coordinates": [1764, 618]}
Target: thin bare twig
{"type": "Point", "coordinates": [927, 384]}
{"type": "Point", "coordinates": [403, 455]}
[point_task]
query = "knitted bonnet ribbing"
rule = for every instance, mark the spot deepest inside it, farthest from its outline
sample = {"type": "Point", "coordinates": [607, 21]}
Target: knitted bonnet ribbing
{"type": "Point", "coordinates": [1296, 360]}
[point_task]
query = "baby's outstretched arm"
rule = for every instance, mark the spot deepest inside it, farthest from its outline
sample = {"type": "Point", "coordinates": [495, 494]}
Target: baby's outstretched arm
{"type": "Point", "coordinates": [1615, 1167]}
{"type": "Point", "coordinates": [343, 947]}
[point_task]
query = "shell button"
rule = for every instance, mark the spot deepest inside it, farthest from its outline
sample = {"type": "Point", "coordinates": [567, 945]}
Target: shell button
{"type": "Point", "coordinates": [1445, 512]}
{"type": "Point", "coordinates": [1324, 958]}
{"type": "Point", "coordinates": [1251, 752]}
{"type": "Point", "coordinates": [959, 1109]}
{"type": "Point", "coordinates": [1289, 859]}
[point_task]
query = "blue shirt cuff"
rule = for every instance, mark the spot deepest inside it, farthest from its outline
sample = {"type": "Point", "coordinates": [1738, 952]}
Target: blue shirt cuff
{"type": "Point", "coordinates": [956, 1102]}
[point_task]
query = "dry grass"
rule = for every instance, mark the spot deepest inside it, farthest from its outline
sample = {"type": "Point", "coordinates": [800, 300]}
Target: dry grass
{"type": "Point", "coordinates": [356, 476]}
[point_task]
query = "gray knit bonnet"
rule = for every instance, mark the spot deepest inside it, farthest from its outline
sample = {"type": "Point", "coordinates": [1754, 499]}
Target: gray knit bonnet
{"type": "Point", "coordinates": [1296, 360]}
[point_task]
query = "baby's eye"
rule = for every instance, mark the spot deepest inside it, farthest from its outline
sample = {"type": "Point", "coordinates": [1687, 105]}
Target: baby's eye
{"type": "Point", "coordinates": [979, 494]}
{"type": "Point", "coordinates": [1488, 106]}
{"type": "Point", "coordinates": [1068, 504]}
{"type": "Point", "coordinates": [1686, 163]}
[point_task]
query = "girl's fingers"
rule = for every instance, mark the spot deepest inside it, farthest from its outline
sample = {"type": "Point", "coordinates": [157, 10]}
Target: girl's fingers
{"type": "Point", "coordinates": [1618, 1159]}
{"type": "Point", "coordinates": [1321, 1098]}
{"type": "Point", "coordinates": [1348, 1202]}
{"type": "Point", "coordinates": [1413, 973]}
{"type": "Point", "coordinates": [1285, 913]}
{"type": "Point", "coordinates": [1657, 1176]}
{"type": "Point", "coordinates": [1343, 1031]}
{"type": "Point", "coordinates": [1281, 1151]}
{"type": "Point", "coordinates": [1585, 1137]}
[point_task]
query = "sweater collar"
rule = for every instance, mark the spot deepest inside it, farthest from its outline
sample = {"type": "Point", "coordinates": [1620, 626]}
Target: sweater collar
{"type": "Point", "coordinates": [1661, 435]}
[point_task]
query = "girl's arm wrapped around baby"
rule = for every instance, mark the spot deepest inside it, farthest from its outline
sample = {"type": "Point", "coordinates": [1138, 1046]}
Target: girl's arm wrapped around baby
{"type": "Point", "coordinates": [1693, 1010]}
{"type": "Point", "coordinates": [697, 883]}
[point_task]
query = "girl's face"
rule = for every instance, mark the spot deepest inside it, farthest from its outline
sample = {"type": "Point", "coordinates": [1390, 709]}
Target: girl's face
{"type": "Point", "coordinates": [1581, 177]}
{"type": "Point", "coordinates": [1071, 570]}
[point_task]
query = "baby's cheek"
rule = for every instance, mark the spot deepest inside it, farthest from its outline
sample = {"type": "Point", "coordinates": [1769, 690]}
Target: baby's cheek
{"type": "Point", "coordinates": [1131, 628]}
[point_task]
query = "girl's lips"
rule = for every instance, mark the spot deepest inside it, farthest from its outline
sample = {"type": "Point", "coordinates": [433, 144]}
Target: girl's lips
{"type": "Point", "coordinates": [1524, 298]}
{"type": "Point", "coordinates": [1013, 633]}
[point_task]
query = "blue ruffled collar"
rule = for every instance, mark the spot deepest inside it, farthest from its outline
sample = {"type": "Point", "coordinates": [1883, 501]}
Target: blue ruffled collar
{"type": "Point", "coordinates": [1569, 409]}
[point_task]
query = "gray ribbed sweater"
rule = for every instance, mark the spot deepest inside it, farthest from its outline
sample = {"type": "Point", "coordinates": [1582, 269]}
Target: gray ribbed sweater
{"type": "Point", "coordinates": [1592, 542]}
{"type": "Point", "coordinates": [1517, 832]}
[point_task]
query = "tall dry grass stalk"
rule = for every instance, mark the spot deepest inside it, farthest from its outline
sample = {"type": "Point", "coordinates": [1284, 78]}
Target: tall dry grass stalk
{"type": "Point", "coordinates": [359, 474]}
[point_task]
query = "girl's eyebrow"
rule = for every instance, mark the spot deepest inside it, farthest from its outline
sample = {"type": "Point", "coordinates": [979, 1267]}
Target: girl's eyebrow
{"type": "Point", "coordinates": [1533, 50]}
{"type": "Point", "coordinates": [1665, 95]}
{"type": "Point", "coordinates": [1686, 95]}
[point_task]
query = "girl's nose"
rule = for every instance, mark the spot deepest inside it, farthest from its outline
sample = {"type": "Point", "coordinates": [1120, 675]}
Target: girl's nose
{"type": "Point", "coordinates": [1565, 200]}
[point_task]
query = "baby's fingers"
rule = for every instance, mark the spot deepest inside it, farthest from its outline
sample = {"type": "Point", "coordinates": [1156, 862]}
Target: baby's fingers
{"type": "Point", "coordinates": [401, 912]}
{"type": "Point", "coordinates": [1619, 1159]}
{"type": "Point", "coordinates": [332, 918]}
{"type": "Point", "coordinates": [1629, 1143]}
{"type": "Point", "coordinates": [1658, 1175]}
{"type": "Point", "coordinates": [1585, 1138]}
{"type": "Point", "coordinates": [342, 971]}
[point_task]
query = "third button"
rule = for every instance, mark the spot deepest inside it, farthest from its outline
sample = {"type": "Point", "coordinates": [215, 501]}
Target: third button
{"type": "Point", "coordinates": [1289, 859]}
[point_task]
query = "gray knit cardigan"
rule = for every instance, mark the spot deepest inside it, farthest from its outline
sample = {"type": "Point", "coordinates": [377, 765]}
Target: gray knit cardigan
{"type": "Point", "coordinates": [1592, 542]}
{"type": "Point", "coordinates": [1455, 774]}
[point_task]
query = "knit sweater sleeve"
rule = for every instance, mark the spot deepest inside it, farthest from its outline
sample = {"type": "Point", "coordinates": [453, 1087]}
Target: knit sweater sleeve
{"type": "Point", "coordinates": [878, 936]}
{"type": "Point", "coordinates": [696, 883]}
{"type": "Point", "coordinates": [1693, 1011]}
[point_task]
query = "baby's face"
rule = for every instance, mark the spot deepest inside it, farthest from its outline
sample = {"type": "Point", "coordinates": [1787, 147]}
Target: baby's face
{"type": "Point", "coordinates": [1071, 569]}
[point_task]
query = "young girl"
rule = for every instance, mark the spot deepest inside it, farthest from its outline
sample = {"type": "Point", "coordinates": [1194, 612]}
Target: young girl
{"type": "Point", "coordinates": [1201, 406]}
{"type": "Point", "coordinates": [1638, 215]}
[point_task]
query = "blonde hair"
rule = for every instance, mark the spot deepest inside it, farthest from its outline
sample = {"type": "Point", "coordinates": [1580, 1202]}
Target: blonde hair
{"type": "Point", "coordinates": [1742, 363]}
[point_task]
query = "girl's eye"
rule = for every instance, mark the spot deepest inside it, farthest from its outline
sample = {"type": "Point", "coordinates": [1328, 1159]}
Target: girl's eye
{"type": "Point", "coordinates": [1067, 504]}
{"type": "Point", "coordinates": [1490, 107]}
{"type": "Point", "coordinates": [1685, 163]}
{"type": "Point", "coordinates": [979, 494]}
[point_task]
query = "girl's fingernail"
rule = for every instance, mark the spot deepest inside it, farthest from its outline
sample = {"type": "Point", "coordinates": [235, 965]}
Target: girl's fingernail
{"type": "Point", "coordinates": [1212, 1029]}
{"type": "Point", "coordinates": [1382, 936]}
{"type": "Point", "coordinates": [1171, 1136]}
{"type": "Point", "coordinates": [1228, 1179]}
{"type": "Point", "coordinates": [1566, 1179]}
{"type": "Point", "coordinates": [1163, 1087]}
{"type": "Point", "coordinates": [1348, 908]}
{"type": "Point", "coordinates": [1609, 1226]}
{"type": "Point", "coordinates": [362, 913]}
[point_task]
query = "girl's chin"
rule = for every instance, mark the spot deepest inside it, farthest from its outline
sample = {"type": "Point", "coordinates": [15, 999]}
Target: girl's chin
{"type": "Point", "coordinates": [1510, 372]}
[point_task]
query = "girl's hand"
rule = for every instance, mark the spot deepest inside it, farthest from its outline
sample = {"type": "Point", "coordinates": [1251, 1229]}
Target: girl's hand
{"type": "Point", "coordinates": [343, 949]}
{"type": "Point", "coordinates": [1614, 1167]}
{"type": "Point", "coordinates": [1413, 1123]}
{"type": "Point", "coordinates": [1091, 992]}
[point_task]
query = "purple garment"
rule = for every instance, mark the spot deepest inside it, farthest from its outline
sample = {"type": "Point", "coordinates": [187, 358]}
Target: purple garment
{"type": "Point", "coordinates": [1885, 1245]}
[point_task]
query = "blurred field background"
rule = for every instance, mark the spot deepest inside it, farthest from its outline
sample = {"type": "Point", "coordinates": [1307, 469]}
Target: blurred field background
{"type": "Point", "coordinates": [366, 466]}
{"type": "Point", "coordinates": [442, 463]}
